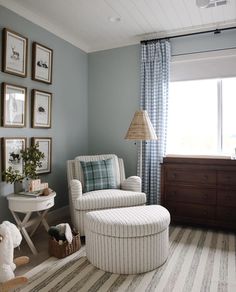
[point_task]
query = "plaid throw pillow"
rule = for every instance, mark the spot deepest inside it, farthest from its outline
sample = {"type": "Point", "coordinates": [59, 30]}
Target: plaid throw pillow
{"type": "Point", "coordinates": [98, 175]}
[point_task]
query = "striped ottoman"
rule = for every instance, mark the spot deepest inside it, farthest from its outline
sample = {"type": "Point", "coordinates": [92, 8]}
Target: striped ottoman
{"type": "Point", "coordinates": [128, 240]}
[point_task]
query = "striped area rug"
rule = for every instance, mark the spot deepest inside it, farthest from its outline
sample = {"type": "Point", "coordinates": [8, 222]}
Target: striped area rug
{"type": "Point", "coordinates": [199, 260]}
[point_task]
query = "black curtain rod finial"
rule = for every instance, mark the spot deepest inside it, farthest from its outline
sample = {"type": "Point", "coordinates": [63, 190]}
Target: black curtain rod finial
{"type": "Point", "coordinates": [217, 31]}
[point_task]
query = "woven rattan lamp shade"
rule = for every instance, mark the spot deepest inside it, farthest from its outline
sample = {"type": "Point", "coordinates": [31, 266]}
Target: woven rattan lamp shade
{"type": "Point", "coordinates": [141, 127]}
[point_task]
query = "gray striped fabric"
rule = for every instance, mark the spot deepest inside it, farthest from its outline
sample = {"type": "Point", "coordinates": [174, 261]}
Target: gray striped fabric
{"type": "Point", "coordinates": [129, 222]}
{"type": "Point", "coordinates": [127, 240]}
{"type": "Point", "coordinates": [132, 183]}
{"type": "Point", "coordinates": [112, 198]}
{"type": "Point", "coordinates": [81, 203]}
{"type": "Point", "coordinates": [199, 260]}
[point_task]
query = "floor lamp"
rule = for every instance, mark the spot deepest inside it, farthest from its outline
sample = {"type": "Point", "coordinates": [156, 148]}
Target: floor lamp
{"type": "Point", "coordinates": [141, 129]}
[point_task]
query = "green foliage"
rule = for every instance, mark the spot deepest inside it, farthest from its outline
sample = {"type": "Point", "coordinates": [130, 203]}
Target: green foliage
{"type": "Point", "coordinates": [32, 159]}
{"type": "Point", "coordinates": [10, 175]}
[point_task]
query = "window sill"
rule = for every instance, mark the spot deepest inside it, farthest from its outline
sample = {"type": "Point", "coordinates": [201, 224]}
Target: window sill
{"type": "Point", "coordinates": [199, 156]}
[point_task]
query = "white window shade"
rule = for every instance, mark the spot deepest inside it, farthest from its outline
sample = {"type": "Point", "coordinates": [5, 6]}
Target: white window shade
{"type": "Point", "coordinates": [215, 64]}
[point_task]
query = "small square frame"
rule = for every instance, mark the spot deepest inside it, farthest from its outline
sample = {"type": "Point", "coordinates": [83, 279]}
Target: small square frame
{"type": "Point", "coordinates": [41, 109]}
{"type": "Point", "coordinates": [14, 105]}
{"type": "Point", "coordinates": [11, 147]}
{"type": "Point", "coordinates": [14, 53]}
{"type": "Point", "coordinates": [42, 61]}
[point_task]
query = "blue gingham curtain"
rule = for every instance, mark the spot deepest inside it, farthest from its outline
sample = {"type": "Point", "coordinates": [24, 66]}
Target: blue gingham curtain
{"type": "Point", "coordinates": [155, 71]}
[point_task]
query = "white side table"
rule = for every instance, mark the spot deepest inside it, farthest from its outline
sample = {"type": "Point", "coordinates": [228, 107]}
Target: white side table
{"type": "Point", "coordinates": [28, 205]}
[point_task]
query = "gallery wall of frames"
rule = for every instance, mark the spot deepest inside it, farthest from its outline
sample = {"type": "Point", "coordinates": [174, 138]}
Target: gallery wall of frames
{"type": "Point", "coordinates": [14, 98]}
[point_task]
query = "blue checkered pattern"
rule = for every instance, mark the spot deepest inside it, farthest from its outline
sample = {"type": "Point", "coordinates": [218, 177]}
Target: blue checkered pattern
{"type": "Point", "coordinates": [155, 71]}
{"type": "Point", "coordinates": [98, 175]}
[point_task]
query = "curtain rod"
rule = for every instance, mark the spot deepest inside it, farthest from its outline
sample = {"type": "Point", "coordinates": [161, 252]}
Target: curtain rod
{"type": "Point", "coordinates": [215, 31]}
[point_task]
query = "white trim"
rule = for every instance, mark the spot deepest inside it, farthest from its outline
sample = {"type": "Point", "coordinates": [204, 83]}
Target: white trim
{"type": "Point", "coordinates": [14, 6]}
{"type": "Point", "coordinates": [44, 23]}
{"type": "Point", "coordinates": [224, 53]}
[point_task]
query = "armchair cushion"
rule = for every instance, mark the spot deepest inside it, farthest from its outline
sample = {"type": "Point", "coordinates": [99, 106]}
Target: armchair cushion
{"type": "Point", "coordinates": [132, 183]}
{"type": "Point", "coordinates": [98, 175]}
{"type": "Point", "coordinates": [112, 198]}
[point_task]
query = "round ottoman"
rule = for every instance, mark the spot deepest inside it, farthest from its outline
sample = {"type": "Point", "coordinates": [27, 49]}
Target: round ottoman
{"type": "Point", "coordinates": [128, 240]}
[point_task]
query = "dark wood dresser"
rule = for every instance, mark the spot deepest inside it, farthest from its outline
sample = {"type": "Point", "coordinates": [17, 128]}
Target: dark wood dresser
{"type": "Point", "coordinates": [200, 191]}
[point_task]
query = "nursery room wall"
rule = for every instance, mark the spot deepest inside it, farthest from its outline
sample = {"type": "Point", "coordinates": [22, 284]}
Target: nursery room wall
{"type": "Point", "coordinates": [69, 130]}
{"type": "Point", "coordinates": [114, 90]}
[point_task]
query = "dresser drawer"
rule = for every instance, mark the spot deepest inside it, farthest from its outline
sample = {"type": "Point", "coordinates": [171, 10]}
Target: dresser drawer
{"type": "Point", "coordinates": [191, 176]}
{"type": "Point", "coordinates": [226, 214]}
{"type": "Point", "coordinates": [190, 195]}
{"type": "Point", "coordinates": [226, 198]}
{"type": "Point", "coordinates": [191, 211]}
{"type": "Point", "coordinates": [226, 177]}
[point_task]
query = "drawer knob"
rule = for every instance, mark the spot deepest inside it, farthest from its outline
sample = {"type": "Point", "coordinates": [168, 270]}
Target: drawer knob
{"type": "Point", "coordinates": [204, 196]}
{"type": "Point", "coordinates": [204, 212]}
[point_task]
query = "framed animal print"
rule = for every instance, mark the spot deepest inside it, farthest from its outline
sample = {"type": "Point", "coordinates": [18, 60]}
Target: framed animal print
{"type": "Point", "coordinates": [14, 105]}
{"type": "Point", "coordinates": [45, 146]}
{"type": "Point", "coordinates": [41, 109]}
{"type": "Point", "coordinates": [15, 53]}
{"type": "Point", "coordinates": [11, 153]}
{"type": "Point", "coordinates": [42, 63]}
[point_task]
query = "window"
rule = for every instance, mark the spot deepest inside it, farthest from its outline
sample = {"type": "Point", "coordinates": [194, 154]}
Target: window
{"type": "Point", "coordinates": [202, 117]}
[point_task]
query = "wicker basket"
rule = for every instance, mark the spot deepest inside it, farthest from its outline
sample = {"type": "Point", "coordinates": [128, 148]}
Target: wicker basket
{"type": "Point", "coordinates": [65, 249]}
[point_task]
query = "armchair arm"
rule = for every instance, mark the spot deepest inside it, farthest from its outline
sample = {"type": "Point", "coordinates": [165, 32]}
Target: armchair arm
{"type": "Point", "coordinates": [75, 189]}
{"type": "Point", "coordinates": [132, 183]}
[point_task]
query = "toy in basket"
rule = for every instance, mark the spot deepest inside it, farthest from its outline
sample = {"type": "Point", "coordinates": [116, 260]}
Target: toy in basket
{"type": "Point", "coordinates": [63, 242]}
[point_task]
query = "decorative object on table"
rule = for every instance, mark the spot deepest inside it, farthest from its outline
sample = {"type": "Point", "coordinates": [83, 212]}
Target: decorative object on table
{"type": "Point", "coordinates": [15, 53]}
{"type": "Point", "coordinates": [141, 129]}
{"type": "Point", "coordinates": [63, 242]}
{"type": "Point", "coordinates": [45, 146]}
{"type": "Point", "coordinates": [29, 205]}
{"type": "Point", "coordinates": [14, 105]}
{"type": "Point", "coordinates": [37, 185]}
{"type": "Point", "coordinates": [47, 192]}
{"type": "Point", "coordinates": [30, 159]}
{"type": "Point", "coordinates": [42, 63]}
{"type": "Point", "coordinates": [10, 238]}
{"type": "Point", "coordinates": [41, 109]}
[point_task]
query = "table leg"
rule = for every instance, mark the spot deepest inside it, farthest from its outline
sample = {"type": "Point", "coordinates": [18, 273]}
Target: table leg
{"type": "Point", "coordinates": [42, 220]}
{"type": "Point", "coordinates": [21, 226]}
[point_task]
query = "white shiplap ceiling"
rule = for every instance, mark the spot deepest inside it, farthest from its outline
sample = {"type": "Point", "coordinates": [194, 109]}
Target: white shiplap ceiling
{"type": "Point", "coordinates": [86, 24]}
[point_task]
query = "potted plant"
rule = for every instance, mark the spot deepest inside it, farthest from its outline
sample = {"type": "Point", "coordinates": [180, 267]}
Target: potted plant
{"type": "Point", "coordinates": [32, 159]}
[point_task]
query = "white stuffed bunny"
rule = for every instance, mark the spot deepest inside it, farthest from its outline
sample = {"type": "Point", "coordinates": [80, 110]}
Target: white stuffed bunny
{"type": "Point", "coordinates": [10, 238]}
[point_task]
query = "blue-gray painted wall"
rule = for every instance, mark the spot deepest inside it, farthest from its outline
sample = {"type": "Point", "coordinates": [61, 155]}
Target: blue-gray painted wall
{"type": "Point", "coordinates": [69, 130]}
{"type": "Point", "coordinates": [94, 98]}
{"type": "Point", "coordinates": [114, 90]}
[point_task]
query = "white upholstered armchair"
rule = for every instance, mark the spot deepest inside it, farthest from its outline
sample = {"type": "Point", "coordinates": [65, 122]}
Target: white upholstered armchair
{"type": "Point", "coordinates": [128, 192]}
